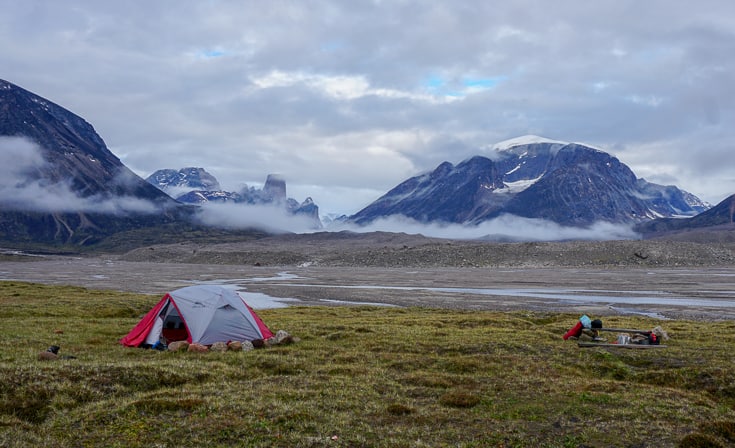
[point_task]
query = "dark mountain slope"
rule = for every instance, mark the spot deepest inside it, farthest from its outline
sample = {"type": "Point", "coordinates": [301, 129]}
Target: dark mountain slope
{"type": "Point", "coordinates": [66, 186]}
{"type": "Point", "coordinates": [447, 194]}
{"type": "Point", "coordinates": [74, 152]}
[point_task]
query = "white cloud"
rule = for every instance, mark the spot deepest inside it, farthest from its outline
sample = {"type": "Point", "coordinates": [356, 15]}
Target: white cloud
{"type": "Point", "coordinates": [341, 87]}
{"type": "Point", "coordinates": [23, 187]}
{"type": "Point", "coordinates": [242, 216]}
{"type": "Point", "coordinates": [503, 228]}
{"type": "Point", "coordinates": [311, 90]}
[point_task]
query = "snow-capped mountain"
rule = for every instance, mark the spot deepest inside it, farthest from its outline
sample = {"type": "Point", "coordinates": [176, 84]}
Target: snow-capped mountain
{"type": "Point", "coordinates": [196, 186]}
{"type": "Point", "coordinates": [533, 177]}
{"type": "Point", "coordinates": [174, 182]}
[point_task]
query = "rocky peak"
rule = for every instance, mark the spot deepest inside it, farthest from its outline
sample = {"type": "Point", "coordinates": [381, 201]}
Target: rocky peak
{"type": "Point", "coordinates": [275, 188]}
{"type": "Point", "coordinates": [197, 186]}
{"type": "Point", "coordinates": [190, 178]}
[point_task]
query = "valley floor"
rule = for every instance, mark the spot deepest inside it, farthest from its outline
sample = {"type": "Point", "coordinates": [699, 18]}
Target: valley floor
{"type": "Point", "coordinates": [652, 278]}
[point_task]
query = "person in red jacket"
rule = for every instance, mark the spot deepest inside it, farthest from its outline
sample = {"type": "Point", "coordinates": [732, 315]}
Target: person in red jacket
{"type": "Point", "coordinates": [576, 330]}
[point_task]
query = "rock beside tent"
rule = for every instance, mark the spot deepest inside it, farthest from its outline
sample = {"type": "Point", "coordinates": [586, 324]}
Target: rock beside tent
{"type": "Point", "coordinates": [197, 348]}
{"type": "Point", "coordinates": [280, 338]}
{"type": "Point", "coordinates": [218, 347]}
{"type": "Point", "coordinates": [178, 345]}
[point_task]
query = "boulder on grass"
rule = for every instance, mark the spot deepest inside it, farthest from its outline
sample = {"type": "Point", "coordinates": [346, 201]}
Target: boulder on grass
{"type": "Point", "coordinates": [218, 347]}
{"type": "Point", "coordinates": [178, 345]}
{"type": "Point", "coordinates": [197, 348]}
{"type": "Point", "coordinates": [234, 346]}
{"type": "Point", "coordinates": [282, 337]}
{"type": "Point", "coordinates": [47, 356]}
{"type": "Point", "coordinates": [247, 346]}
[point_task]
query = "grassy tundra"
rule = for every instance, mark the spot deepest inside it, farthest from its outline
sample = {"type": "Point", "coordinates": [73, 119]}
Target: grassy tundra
{"type": "Point", "coordinates": [358, 377]}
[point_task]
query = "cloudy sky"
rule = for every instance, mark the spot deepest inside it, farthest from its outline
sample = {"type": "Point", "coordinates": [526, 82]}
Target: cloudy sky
{"type": "Point", "coordinates": [346, 99]}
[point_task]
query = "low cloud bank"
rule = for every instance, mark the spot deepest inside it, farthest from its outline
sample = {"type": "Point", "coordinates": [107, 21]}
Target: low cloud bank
{"type": "Point", "coordinates": [265, 217]}
{"type": "Point", "coordinates": [23, 188]}
{"type": "Point", "coordinates": [503, 228]}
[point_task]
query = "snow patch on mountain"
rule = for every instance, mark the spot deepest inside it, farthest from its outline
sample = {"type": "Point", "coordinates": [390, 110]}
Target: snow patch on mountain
{"type": "Point", "coordinates": [517, 186]}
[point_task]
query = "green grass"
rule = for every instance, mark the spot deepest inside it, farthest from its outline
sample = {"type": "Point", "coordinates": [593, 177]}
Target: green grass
{"type": "Point", "coordinates": [358, 377]}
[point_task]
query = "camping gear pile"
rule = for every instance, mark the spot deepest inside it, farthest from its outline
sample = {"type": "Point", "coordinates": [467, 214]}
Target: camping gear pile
{"type": "Point", "coordinates": [199, 318]}
{"type": "Point", "coordinates": [588, 334]}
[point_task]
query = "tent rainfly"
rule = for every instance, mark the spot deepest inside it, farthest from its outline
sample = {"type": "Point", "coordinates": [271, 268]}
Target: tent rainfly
{"type": "Point", "coordinates": [202, 314]}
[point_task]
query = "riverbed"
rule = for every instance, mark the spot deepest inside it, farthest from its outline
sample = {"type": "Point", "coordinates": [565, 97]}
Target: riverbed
{"type": "Point", "coordinates": [663, 293]}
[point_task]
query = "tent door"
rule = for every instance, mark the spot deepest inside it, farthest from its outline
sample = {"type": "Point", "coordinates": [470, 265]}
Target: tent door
{"type": "Point", "coordinates": [173, 327]}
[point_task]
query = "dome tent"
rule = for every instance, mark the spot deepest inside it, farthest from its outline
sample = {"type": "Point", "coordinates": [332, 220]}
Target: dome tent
{"type": "Point", "coordinates": [202, 314]}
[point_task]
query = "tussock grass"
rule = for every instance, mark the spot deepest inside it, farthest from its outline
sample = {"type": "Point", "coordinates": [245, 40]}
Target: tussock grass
{"type": "Point", "coordinates": [358, 377]}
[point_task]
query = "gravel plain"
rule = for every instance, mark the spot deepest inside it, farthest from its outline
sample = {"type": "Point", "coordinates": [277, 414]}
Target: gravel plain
{"type": "Point", "coordinates": [661, 279]}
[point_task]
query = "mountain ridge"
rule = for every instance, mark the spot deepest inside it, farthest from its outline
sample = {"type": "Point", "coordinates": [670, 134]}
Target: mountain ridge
{"type": "Point", "coordinates": [62, 184]}
{"type": "Point", "coordinates": [567, 183]}
{"type": "Point", "coordinates": [196, 186]}
{"type": "Point", "coordinates": [77, 154]}
{"type": "Point", "coordinates": [75, 191]}
{"type": "Point", "coordinates": [722, 214]}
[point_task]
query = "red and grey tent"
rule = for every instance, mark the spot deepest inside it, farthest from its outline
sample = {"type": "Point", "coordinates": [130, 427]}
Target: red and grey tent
{"type": "Point", "coordinates": [203, 314]}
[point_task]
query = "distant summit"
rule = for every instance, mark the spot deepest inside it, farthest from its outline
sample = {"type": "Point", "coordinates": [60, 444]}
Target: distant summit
{"type": "Point", "coordinates": [197, 186]}
{"type": "Point", "coordinates": [721, 215]}
{"type": "Point", "coordinates": [185, 179]}
{"type": "Point", "coordinates": [533, 177]}
{"type": "Point", "coordinates": [275, 188]}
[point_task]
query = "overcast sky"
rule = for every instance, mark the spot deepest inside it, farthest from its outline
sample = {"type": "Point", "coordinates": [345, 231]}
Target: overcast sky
{"type": "Point", "coordinates": [347, 98]}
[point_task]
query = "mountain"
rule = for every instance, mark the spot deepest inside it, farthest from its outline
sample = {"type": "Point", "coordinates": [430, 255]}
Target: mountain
{"type": "Point", "coordinates": [196, 186]}
{"type": "Point", "coordinates": [721, 216]}
{"type": "Point", "coordinates": [187, 179]}
{"type": "Point", "coordinates": [60, 184]}
{"type": "Point", "coordinates": [73, 153]}
{"type": "Point", "coordinates": [568, 183]}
